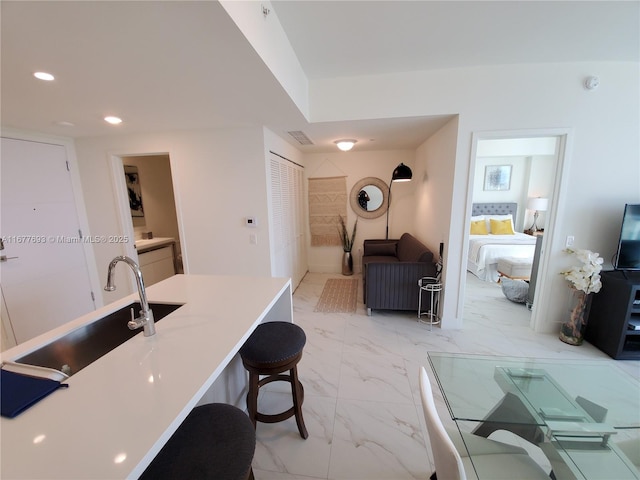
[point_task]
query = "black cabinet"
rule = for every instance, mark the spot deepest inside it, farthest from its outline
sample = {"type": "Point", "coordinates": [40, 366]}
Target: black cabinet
{"type": "Point", "coordinates": [613, 309]}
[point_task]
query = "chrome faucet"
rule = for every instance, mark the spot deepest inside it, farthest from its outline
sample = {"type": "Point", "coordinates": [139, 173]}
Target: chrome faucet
{"type": "Point", "coordinates": [146, 315]}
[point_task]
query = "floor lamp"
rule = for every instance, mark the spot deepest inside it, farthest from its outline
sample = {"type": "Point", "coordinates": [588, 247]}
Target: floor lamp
{"type": "Point", "coordinates": [402, 173]}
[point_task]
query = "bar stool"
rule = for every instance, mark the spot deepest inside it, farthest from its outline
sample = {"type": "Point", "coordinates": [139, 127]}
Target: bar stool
{"type": "Point", "coordinates": [215, 441]}
{"type": "Point", "coordinates": [273, 348]}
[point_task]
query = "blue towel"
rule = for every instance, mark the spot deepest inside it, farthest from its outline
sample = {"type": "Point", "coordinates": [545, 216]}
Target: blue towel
{"type": "Point", "coordinates": [19, 392]}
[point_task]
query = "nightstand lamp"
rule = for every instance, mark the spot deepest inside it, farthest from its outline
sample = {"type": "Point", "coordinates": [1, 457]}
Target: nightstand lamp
{"type": "Point", "coordinates": [537, 204]}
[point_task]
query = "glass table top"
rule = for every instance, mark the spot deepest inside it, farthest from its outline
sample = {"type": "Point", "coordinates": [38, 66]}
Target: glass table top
{"type": "Point", "coordinates": [583, 414]}
{"type": "Point", "coordinates": [473, 384]}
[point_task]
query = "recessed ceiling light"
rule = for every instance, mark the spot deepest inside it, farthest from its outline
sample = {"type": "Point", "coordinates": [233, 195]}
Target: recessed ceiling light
{"type": "Point", "coordinates": [44, 76]}
{"type": "Point", "coordinates": [113, 120]}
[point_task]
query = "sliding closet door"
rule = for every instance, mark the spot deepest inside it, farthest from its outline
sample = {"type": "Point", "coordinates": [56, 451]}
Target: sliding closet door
{"type": "Point", "coordinates": [288, 252]}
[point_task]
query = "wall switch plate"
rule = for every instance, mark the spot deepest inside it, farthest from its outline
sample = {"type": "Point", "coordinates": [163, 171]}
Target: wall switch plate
{"type": "Point", "coordinates": [569, 242]}
{"type": "Point", "coordinates": [251, 222]}
{"type": "Point", "coordinates": [253, 239]}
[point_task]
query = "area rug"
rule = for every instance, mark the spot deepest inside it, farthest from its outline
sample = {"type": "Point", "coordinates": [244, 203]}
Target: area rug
{"type": "Point", "coordinates": [338, 296]}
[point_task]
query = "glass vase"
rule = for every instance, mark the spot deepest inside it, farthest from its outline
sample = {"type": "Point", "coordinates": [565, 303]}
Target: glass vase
{"type": "Point", "coordinates": [572, 331]}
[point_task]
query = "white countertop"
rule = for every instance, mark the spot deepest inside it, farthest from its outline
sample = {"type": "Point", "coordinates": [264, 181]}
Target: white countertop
{"type": "Point", "coordinates": [119, 411]}
{"type": "Point", "coordinates": [149, 244]}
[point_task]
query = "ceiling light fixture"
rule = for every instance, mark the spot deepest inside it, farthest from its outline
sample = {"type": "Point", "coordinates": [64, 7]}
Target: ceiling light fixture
{"type": "Point", "coordinates": [44, 76]}
{"type": "Point", "coordinates": [346, 144]}
{"type": "Point", "coordinates": [113, 120]}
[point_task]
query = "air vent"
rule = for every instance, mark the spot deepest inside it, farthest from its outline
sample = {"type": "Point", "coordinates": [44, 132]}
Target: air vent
{"type": "Point", "coordinates": [300, 137]}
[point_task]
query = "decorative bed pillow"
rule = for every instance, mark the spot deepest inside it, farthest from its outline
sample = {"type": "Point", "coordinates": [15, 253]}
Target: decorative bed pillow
{"type": "Point", "coordinates": [501, 227]}
{"type": "Point", "coordinates": [382, 249]}
{"type": "Point", "coordinates": [514, 290]}
{"type": "Point", "coordinates": [479, 227]}
{"type": "Point", "coordinates": [498, 217]}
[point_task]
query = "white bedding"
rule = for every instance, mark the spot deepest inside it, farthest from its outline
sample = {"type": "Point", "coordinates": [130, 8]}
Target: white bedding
{"type": "Point", "coordinates": [485, 250]}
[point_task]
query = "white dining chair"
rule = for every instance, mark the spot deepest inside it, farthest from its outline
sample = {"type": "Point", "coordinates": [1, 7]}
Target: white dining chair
{"type": "Point", "coordinates": [494, 460]}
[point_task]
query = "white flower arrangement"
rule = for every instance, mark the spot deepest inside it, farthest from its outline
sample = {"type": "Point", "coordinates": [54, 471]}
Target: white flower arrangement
{"type": "Point", "coordinates": [586, 277]}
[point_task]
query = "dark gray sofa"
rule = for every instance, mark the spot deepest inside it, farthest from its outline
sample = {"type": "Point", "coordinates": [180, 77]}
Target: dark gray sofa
{"type": "Point", "coordinates": [391, 270]}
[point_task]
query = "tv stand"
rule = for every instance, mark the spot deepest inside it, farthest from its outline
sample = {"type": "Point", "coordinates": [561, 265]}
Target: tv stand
{"type": "Point", "coordinates": [612, 309]}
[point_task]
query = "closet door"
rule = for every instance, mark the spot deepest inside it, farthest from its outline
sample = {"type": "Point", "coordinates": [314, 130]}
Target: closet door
{"type": "Point", "coordinates": [288, 250]}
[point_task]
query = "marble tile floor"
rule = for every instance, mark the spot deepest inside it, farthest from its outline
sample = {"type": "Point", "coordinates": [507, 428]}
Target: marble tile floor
{"type": "Point", "coordinates": [362, 404]}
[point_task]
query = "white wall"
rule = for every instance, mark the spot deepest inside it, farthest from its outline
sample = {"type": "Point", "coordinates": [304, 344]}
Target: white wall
{"type": "Point", "coordinates": [433, 175]}
{"type": "Point", "coordinates": [356, 166]}
{"type": "Point", "coordinates": [219, 179]}
{"type": "Point", "coordinates": [603, 147]}
{"type": "Point", "coordinates": [270, 42]}
{"type": "Point", "coordinates": [530, 177]}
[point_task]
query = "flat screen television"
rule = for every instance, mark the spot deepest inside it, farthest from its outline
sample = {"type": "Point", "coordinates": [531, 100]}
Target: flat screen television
{"type": "Point", "coordinates": [628, 255]}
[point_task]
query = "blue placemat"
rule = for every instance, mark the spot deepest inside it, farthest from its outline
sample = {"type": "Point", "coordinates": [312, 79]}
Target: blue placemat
{"type": "Point", "coordinates": [19, 392]}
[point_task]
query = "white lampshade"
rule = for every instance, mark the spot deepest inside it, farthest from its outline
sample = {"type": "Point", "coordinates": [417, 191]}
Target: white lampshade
{"type": "Point", "coordinates": [345, 145]}
{"type": "Point", "coordinates": [538, 204]}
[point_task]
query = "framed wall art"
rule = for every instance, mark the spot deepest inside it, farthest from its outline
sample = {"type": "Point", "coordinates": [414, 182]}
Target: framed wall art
{"type": "Point", "coordinates": [133, 190]}
{"type": "Point", "coordinates": [497, 177]}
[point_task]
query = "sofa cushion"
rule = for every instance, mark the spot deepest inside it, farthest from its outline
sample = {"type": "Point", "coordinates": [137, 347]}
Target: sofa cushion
{"type": "Point", "coordinates": [410, 249]}
{"type": "Point", "coordinates": [382, 249]}
{"type": "Point", "coordinates": [379, 259]}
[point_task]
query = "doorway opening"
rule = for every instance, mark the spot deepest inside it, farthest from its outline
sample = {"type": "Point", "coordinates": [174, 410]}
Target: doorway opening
{"type": "Point", "coordinates": [535, 162]}
{"type": "Point", "coordinates": [149, 214]}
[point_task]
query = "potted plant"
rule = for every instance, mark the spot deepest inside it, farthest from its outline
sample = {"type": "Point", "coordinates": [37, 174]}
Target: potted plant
{"type": "Point", "coordinates": [347, 245]}
{"type": "Point", "coordinates": [584, 281]}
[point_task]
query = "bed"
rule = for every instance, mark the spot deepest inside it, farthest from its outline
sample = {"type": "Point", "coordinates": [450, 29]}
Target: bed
{"type": "Point", "coordinates": [486, 247]}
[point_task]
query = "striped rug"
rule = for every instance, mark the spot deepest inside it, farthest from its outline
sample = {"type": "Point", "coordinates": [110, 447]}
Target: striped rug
{"type": "Point", "coordinates": [338, 296]}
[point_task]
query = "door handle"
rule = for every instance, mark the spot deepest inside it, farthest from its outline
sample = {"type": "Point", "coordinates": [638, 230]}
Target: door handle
{"type": "Point", "coordinates": [4, 258]}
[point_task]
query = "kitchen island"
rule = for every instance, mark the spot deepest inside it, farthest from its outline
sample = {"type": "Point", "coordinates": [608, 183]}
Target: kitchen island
{"type": "Point", "coordinates": [119, 411]}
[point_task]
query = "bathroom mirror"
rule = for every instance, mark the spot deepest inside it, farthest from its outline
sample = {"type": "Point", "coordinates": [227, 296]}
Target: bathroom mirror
{"type": "Point", "coordinates": [369, 197]}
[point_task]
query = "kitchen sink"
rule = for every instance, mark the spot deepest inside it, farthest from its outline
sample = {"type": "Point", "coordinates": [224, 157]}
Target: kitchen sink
{"type": "Point", "coordinates": [85, 345]}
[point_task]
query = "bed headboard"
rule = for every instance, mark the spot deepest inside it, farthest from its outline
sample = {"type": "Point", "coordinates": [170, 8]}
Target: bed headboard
{"type": "Point", "coordinates": [495, 209]}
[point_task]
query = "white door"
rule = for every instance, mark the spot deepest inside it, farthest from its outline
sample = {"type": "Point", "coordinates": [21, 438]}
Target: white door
{"type": "Point", "coordinates": [44, 275]}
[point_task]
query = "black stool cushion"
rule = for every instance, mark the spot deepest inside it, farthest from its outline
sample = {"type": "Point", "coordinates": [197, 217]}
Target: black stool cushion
{"type": "Point", "coordinates": [215, 441]}
{"type": "Point", "coordinates": [273, 342]}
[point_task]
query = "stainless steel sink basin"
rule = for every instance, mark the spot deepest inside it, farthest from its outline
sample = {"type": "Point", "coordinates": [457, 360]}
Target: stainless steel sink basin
{"type": "Point", "coordinates": [85, 345]}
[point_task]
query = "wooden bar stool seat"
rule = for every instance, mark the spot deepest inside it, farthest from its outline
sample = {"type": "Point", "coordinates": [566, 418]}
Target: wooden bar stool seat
{"type": "Point", "coordinates": [216, 441]}
{"type": "Point", "coordinates": [274, 348]}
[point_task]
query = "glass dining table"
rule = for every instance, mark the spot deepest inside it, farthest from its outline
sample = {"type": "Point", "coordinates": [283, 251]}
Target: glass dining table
{"type": "Point", "coordinates": [584, 415]}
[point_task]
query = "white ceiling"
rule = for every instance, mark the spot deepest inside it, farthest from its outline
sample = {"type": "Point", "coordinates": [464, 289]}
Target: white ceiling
{"type": "Point", "coordinates": [348, 38]}
{"type": "Point", "coordinates": [164, 65]}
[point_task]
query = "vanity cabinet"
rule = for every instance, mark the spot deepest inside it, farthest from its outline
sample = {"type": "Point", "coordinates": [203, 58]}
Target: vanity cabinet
{"type": "Point", "coordinates": [157, 263]}
{"type": "Point", "coordinates": [613, 309]}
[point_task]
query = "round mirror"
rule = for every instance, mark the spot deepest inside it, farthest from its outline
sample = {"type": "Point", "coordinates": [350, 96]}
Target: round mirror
{"type": "Point", "coordinates": [369, 197]}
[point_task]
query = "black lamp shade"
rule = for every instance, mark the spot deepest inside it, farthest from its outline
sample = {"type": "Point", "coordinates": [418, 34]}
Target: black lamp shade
{"type": "Point", "coordinates": [402, 173]}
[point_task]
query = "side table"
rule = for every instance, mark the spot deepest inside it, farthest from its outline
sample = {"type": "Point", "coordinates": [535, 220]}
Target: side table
{"type": "Point", "coordinates": [433, 287]}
